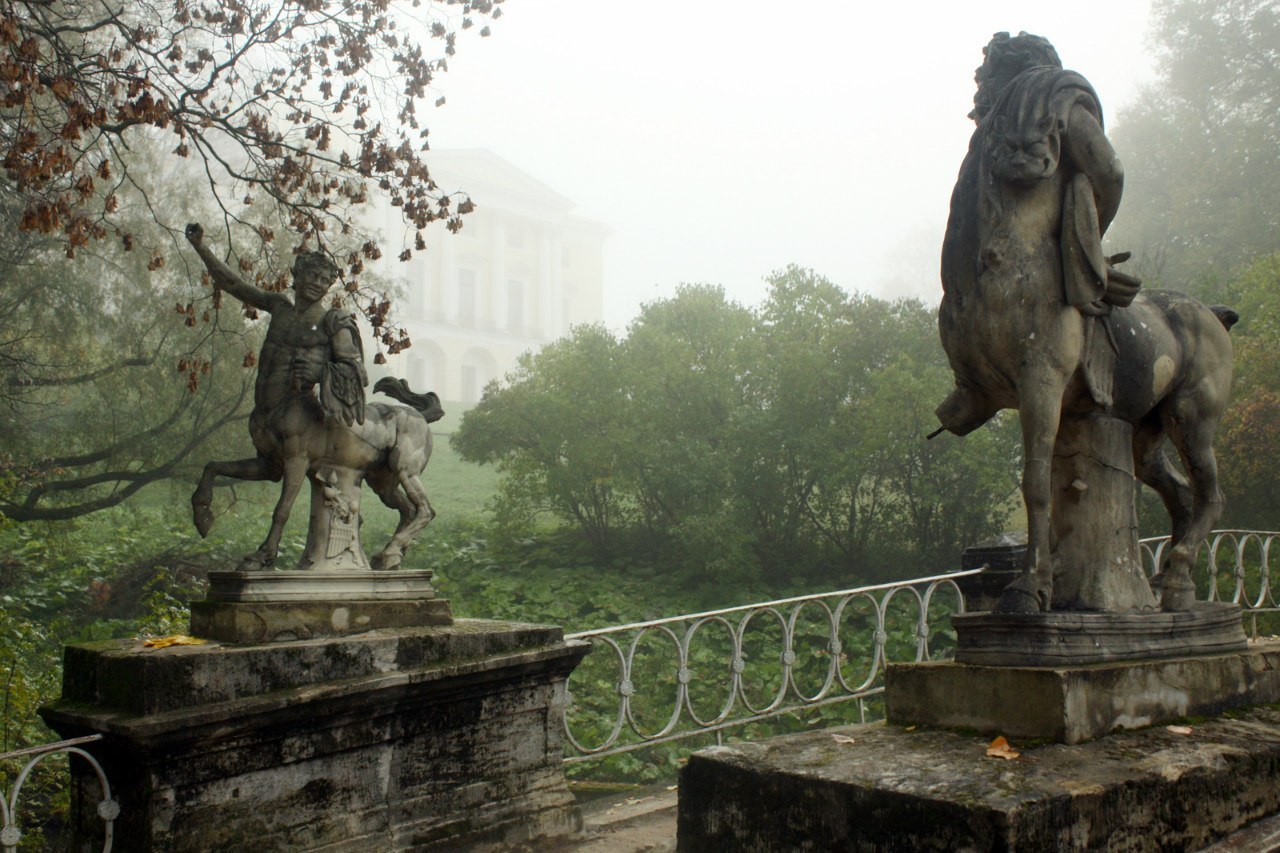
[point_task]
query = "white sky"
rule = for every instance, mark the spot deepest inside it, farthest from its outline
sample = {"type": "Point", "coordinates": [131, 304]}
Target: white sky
{"type": "Point", "coordinates": [724, 139]}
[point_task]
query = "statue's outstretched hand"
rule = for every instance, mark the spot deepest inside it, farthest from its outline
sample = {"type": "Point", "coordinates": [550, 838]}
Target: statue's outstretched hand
{"type": "Point", "coordinates": [195, 234]}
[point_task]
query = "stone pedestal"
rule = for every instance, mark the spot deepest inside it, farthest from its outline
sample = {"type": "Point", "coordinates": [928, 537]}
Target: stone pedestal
{"type": "Point", "coordinates": [268, 606]}
{"type": "Point", "coordinates": [421, 738]}
{"type": "Point", "coordinates": [1002, 559]}
{"type": "Point", "coordinates": [1075, 637]}
{"type": "Point", "coordinates": [891, 789]}
{"type": "Point", "coordinates": [1079, 703]}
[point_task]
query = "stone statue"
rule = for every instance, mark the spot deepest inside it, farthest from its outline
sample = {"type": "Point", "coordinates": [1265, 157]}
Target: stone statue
{"type": "Point", "coordinates": [310, 421]}
{"type": "Point", "coordinates": [1035, 317]}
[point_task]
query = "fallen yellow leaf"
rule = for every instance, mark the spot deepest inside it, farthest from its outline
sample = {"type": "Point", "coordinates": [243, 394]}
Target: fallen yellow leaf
{"type": "Point", "coordinates": [909, 729]}
{"type": "Point", "coordinates": [173, 640]}
{"type": "Point", "coordinates": [1179, 730]}
{"type": "Point", "coordinates": [843, 739]}
{"type": "Point", "coordinates": [1000, 748]}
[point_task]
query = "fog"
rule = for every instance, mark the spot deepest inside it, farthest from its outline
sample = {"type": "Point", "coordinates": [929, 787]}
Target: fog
{"type": "Point", "coordinates": [723, 140]}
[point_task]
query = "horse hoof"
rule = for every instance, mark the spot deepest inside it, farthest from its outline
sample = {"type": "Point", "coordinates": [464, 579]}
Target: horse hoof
{"type": "Point", "coordinates": [255, 563]}
{"type": "Point", "coordinates": [1177, 596]}
{"type": "Point", "coordinates": [1020, 597]}
{"type": "Point", "coordinates": [383, 563]}
{"type": "Point", "coordinates": [202, 515]}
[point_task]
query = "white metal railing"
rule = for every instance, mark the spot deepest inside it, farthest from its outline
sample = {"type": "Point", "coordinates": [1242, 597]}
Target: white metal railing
{"type": "Point", "coordinates": [1233, 566]}
{"type": "Point", "coordinates": [801, 633]}
{"type": "Point", "coordinates": [108, 809]}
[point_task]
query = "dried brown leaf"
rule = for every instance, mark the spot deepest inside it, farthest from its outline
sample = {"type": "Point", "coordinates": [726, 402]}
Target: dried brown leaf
{"type": "Point", "coordinates": [1000, 748]}
{"type": "Point", "coordinates": [173, 640]}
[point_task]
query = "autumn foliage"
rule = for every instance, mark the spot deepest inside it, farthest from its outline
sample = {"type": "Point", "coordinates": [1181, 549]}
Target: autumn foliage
{"type": "Point", "coordinates": [306, 104]}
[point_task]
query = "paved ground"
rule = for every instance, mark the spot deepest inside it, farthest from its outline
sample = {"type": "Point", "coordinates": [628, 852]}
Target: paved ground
{"type": "Point", "coordinates": [638, 821]}
{"type": "Point", "coordinates": [644, 821]}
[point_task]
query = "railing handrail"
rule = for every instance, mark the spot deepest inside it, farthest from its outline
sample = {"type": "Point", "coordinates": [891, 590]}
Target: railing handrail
{"type": "Point", "coordinates": [1243, 568]}
{"type": "Point", "coordinates": [108, 808]}
{"type": "Point", "coordinates": [49, 747]}
{"type": "Point", "coordinates": [778, 602]}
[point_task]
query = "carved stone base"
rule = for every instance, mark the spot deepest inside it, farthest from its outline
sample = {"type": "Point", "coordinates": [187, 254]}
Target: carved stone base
{"type": "Point", "coordinates": [264, 607]}
{"type": "Point", "coordinates": [444, 738]}
{"type": "Point", "coordinates": [277, 621]}
{"type": "Point", "coordinates": [320, 586]}
{"type": "Point", "coordinates": [928, 789]}
{"type": "Point", "coordinates": [1073, 704]}
{"type": "Point", "coordinates": [1070, 638]}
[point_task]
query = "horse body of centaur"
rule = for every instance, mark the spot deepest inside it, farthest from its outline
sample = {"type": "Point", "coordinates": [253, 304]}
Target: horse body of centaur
{"type": "Point", "coordinates": [1030, 320]}
{"type": "Point", "coordinates": [296, 441]}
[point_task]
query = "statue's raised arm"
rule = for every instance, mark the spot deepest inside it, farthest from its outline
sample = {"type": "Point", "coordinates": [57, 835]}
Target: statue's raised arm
{"type": "Point", "coordinates": [225, 279]}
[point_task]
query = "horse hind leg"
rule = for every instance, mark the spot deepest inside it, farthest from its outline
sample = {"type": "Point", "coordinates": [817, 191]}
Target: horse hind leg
{"type": "Point", "coordinates": [1194, 440]}
{"type": "Point", "coordinates": [410, 491]}
{"type": "Point", "coordinates": [387, 487]}
{"type": "Point", "coordinates": [393, 497]}
{"type": "Point", "coordinates": [1155, 468]}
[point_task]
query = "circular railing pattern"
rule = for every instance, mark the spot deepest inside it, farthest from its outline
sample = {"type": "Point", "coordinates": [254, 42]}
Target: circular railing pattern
{"type": "Point", "coordinates": [797, 631]}
{"type": "Point", "coordinates": [1232, 566]}
{"type": "Point", "coordinates": [108, 809]}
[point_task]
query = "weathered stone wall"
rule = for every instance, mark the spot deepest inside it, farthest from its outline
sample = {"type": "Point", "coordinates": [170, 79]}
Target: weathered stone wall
{"type": "Point", "coordinates": [443, 737]}
{"type": "Point", "coordinates": [936, 790]}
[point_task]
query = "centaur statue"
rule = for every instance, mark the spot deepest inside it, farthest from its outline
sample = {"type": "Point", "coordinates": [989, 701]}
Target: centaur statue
{"type": "Point", "coordinates": [1036, 318]}
{"type": "Point", "coordinates": [310, 422]}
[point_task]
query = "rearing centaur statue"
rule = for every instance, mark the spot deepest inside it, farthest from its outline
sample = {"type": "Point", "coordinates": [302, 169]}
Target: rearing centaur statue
{"type": "Point", "coordinates": [1035, 317]}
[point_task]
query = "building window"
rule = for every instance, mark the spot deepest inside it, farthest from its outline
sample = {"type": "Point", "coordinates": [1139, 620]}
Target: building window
{"type": "Point", "coordinates": [515, 305]}
{"type": "Point", "coordinates": [467, 297]}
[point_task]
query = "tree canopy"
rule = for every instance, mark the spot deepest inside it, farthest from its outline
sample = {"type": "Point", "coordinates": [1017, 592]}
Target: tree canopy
{"type": "Point", "coordinates": [1201, 145]}
{"type": "Point", "coordinates": [294, 105]}
{"type": "Point", "coordinates": [787, 441]}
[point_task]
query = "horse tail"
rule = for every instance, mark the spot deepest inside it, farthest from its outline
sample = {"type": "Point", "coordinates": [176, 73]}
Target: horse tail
{"type": "Point", "coordinates": [427, 405]}
{"type": "Point", "coordinates": [1225, 315]}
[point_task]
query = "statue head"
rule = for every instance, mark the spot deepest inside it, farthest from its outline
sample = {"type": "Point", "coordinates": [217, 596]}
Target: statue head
{"type": "Point", "coordinates": [313, 275]}
{"type": "Point", "coordinates": [1004, 58]}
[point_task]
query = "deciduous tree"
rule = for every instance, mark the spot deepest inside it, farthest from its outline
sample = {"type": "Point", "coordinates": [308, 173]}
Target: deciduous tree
{"type": "Point", "coordinates": [1201, 145]}
{"type": "Point", "coordinates": [303, 105]}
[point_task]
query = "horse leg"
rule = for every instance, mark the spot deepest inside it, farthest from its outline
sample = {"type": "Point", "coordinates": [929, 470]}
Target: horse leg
{"type": "Point", "coordinates": [1040, 409]}
{"type": "Point", "coordinates": [422, 514]}
{"type": "Point", "coordinates": [258, 468]}
{"type": "Point", "coordinates": [1193, 436]}
{"type": "Point", "coordinates": [1154, 468]}
{"type": "Point", "coordinates": [387, 487]}
{"type": "Point", "coordinates": [295, 473]}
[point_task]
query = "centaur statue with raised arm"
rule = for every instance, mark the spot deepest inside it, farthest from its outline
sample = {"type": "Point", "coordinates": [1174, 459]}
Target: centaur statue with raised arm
{"type": "Point", "coordinates": [310, 422]}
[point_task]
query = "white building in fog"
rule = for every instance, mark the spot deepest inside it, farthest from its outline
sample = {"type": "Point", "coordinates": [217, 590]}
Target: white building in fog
{"type": "Point", "coordinates": [522, 270]}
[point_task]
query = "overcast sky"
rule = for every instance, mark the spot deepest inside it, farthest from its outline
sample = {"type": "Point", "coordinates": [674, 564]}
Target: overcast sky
{"type": "Point", "coordinates": [724, 139]}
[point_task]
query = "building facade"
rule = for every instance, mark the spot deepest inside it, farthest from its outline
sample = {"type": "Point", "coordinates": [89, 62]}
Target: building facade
{"type": "Point", "coordinates": [522, 270]}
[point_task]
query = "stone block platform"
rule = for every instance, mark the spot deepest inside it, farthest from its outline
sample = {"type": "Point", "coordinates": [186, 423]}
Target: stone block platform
{"type": "Point", "coordinates": [936, 790]}
{"type": "Point", "coordinates": [446, 737]}
{"type": "Point", "coordinates": [1073, 704]}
